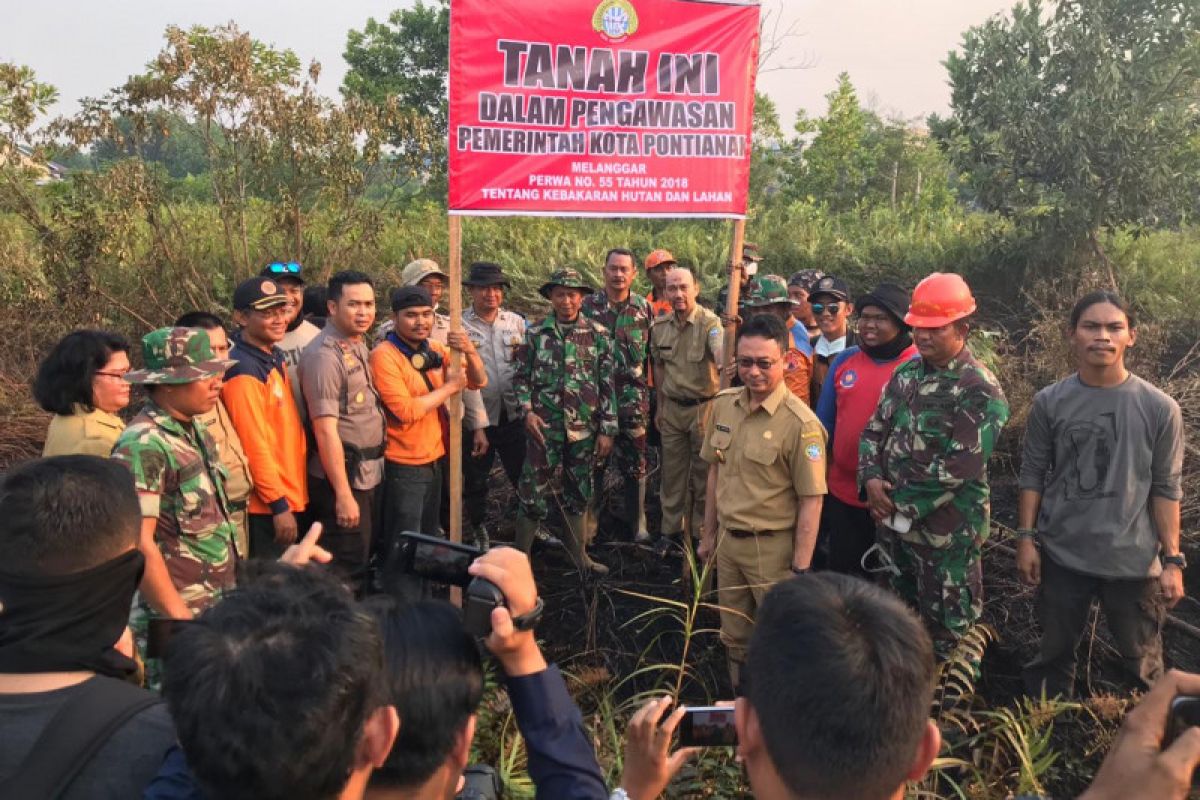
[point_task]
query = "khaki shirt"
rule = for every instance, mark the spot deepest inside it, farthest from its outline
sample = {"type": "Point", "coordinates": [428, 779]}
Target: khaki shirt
{"type": "Point", "coordinates": [292, 345]}
{"type": "Point", "coordinates": [686, 356]}
{"type": "Point", "coordinates": [336, 381]}
{"type": "Point", "coordinates": [769, 458]}
{"type": "Point", "coordinates": [238, 483]}
{"type": "Point", "coordinates": [84, 433]}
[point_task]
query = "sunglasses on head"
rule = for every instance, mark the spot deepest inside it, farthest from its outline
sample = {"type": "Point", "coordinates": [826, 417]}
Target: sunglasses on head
{"type": "Point", "coordinates": [284, 268]}
{"type": "Point", "coordinates": [832, 308]}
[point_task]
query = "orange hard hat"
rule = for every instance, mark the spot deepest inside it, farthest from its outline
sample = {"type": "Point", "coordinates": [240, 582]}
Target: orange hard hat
{"type": "Point", "coordinates": [938, 300]}
{"type": "Point", "coordinates": [658, 258]}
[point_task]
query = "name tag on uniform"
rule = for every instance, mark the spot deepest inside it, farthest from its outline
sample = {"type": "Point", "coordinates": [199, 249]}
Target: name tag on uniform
{"type": "Point", "coordinates": [724, 428]}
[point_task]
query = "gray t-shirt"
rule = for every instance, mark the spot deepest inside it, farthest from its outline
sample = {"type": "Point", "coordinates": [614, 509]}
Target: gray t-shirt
{"type": "Point", "coordinates": [120, 769]}
{"type": "Point", "coordinates": [1097, 456]}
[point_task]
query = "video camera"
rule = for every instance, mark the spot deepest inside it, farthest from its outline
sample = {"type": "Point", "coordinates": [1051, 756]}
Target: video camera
{"type": "Point", "coordinates": [442, 561]}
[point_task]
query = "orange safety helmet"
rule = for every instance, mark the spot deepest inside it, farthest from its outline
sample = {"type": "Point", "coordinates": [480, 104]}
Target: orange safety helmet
{"type": "Point", "coordinates": [938, 300]}
{"type": "Point", "coordinates": [658, 258]}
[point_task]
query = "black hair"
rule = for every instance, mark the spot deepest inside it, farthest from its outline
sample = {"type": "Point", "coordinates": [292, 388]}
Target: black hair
{"type": "Point", "coordinates": [435, 676]}
{"type": "Point", "coordinates": [314, 302]}
{"type": "Point", "coordinates": [271, 687]}
{"type": "Point", "coordinates": [347, 277]}
{"type": "Point", "coordinates": [1096, 298]}
{"type": "Point", "coordinates": [765, 326]}
{"type": "Point", "coordinates": [66, 514]}
{"type": "Point", "coordinates": [65, 376]}
{"type": "Point", "coordinates": [204, 320]}
{"type": "Point", "coordinates": [840, 674]}
{"type": "Point", "coordinates": [621, 251]}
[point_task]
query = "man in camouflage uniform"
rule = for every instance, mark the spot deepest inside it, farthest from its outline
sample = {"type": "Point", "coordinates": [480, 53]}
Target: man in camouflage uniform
{"type": "Point", "coordinates": [187, 534]}
{"type": "Point", "coordinates": [922, 464]}
{"type": "Point", "coordinates": [564, 385]}
{"type": "Point", "coordinates": [627, 318]}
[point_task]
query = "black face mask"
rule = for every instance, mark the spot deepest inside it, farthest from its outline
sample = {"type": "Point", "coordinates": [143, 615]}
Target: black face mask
{"type": "Point", "coordinates": [889, 351]}
{"type": "Point", "coordinates": [65, 623]}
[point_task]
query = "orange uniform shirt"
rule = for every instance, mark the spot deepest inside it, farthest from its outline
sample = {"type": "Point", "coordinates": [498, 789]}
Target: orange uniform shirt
{"type": "Point", "coordinates": [258, 396]}
{"type": "Point", "coordinates": [414, 437]}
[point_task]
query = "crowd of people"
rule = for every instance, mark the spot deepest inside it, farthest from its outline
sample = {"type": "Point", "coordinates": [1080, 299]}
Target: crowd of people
{"type": "Point", "coordinates": [251, 511]}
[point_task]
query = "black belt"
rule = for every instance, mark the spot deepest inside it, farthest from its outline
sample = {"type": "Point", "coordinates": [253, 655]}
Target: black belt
{"type": "Point", "coordinates": [740, 534]}
{"type": "Point", "coordinates": [690, 402]}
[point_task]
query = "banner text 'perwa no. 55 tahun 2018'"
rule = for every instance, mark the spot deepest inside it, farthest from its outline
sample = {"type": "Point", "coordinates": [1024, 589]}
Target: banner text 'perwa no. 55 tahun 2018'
{"type": "Point", "coordinates": [601, 107]}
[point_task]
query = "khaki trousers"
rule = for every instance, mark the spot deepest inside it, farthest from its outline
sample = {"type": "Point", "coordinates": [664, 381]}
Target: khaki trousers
{"type": "Point", "coordinates": [684, 473]}
{"type": "Point", "coordinates": [746, 570]}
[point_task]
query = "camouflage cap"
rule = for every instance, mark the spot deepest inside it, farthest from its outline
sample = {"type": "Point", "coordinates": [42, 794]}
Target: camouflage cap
{"type": "Point", "coordinates": [565, 277]}
{"type": "Point", "coordinates": [768, 290]}
{"type": "Point", "coordinates": [177, 355]}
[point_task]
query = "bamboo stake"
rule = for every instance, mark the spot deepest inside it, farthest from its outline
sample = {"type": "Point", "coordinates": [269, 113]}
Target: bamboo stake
{"type": "Point", "coordinates": [731, 302]}
{"type": "Point", "coordinates": [456, 402]}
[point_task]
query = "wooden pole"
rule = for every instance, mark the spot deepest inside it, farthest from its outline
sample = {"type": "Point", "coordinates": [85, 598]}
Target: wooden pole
{"type": "Point", "coordinates": [456, 402]}
{"type": "Point", "coordinates": [731, 302]}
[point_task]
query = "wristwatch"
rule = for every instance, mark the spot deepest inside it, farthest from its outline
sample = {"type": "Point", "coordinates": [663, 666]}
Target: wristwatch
{"type": "Point", "coordinates": [527, 622]}
{"type": "Point", "coordinates": [1178, 560]}
{"type": "Point", "coordinates": [799, 571]}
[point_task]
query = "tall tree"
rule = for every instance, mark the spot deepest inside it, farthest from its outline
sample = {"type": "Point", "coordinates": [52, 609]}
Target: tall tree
{"type": "Point", "coordinates": [1082, 117]}
{"type": "Point", "coordinates": [406, 60]}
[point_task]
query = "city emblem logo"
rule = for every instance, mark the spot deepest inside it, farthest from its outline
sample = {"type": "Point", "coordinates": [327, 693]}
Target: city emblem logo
{"type": "Point", "coordinates": [813, 451]}
{"type": "Point", "coordinates": [615, 20]}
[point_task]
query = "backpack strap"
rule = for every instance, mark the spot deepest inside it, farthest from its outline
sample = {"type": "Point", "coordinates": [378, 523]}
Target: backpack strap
{"type": "Point", "coordinates": [74, 735]}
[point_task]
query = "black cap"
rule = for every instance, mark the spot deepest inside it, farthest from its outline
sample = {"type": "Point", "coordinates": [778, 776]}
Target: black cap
{"type": "Point", "coordinates": [830, 285]}
{"type": "Point", "coordinates": [410, 297]}
{"type": "Point", "coordinates": [283, 271]}
{"type": "Point", "coordinates": [485, 273]}
{"type": "Point", "coordinates": [258, 293]}
{"type": "Point", "coordinates": [889, 297]}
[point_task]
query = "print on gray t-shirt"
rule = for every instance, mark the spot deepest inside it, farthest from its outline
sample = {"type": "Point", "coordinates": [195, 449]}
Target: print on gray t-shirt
{"type": "Point", "coordinates": [1097, 456]}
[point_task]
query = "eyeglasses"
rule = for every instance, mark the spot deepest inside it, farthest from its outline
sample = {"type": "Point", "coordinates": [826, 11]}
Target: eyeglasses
{"type": "Point", "coordinates": [821, 308]}
{"type": "Point", "coordinates": [119, 375]}
{"type": "Point", "coordinates": [284, 268]}
{"type": "Point", "coordinates": [764, 364]}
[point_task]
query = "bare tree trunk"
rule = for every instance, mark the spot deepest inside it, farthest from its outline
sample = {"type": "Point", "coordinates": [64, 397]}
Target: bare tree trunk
{"type": "Point", "coordinates": [1102, 257]}
{"type": "Point", "coordinates": [895, 180]}
{"type": "Point", "coordinates": [917, 196]}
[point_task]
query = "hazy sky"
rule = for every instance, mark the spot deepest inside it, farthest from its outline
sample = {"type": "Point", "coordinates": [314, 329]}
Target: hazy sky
{"type": "Point", "coordinates": [891, 48]}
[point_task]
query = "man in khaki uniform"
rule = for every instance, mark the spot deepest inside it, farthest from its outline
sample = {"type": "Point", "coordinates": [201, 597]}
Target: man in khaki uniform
{"type": "Point", "coordinates": [766, 482]}
{"type": "Point", "coordinates": [685, 349]}
{"type": "Point", "coordinates": [345, 469]}
{"type": "Point", "coordinates": [238, 483]}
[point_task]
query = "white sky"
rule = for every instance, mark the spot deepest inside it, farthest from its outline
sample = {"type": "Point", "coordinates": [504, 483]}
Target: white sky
{"type": "Point", "coordinates": [892, 48]}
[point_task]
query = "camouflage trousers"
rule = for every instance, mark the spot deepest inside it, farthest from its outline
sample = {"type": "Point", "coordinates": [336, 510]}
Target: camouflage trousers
{"type": "Point", "coordinates": [558, 468]}
{"type": "Point", "coordinates": [943, 584]}
{"type": "Point", "coordinates": [629, 449]}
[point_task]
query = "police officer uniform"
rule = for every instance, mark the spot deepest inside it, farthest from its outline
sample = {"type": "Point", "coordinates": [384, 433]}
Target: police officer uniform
{"type": "Point", "coordinates": [336, 381]}
{"type": "Point", "coordinates": [685, 358]}
{"type": "Point", "coordinates": [768, 459]}
{"type": "Point", "coordinates": [497, 343]}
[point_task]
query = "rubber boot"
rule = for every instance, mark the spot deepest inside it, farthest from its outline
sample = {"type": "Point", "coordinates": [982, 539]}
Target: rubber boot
{"type": "Point", "coordinates": [573, 533]}
{"type": "Point", "coordinates": [526, 530]}
{"type": "Point", "coordinates": [635, 510]}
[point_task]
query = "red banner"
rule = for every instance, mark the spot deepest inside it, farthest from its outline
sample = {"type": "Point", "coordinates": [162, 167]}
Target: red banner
{"type": "Point", "coordinates": [601, 107]}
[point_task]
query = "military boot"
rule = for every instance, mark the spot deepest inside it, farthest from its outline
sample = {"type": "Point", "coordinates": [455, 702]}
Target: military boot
{"type": "Point", "coordinates": [635, 510]}
{"type": "Point", "coordinates": [573, 532]}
